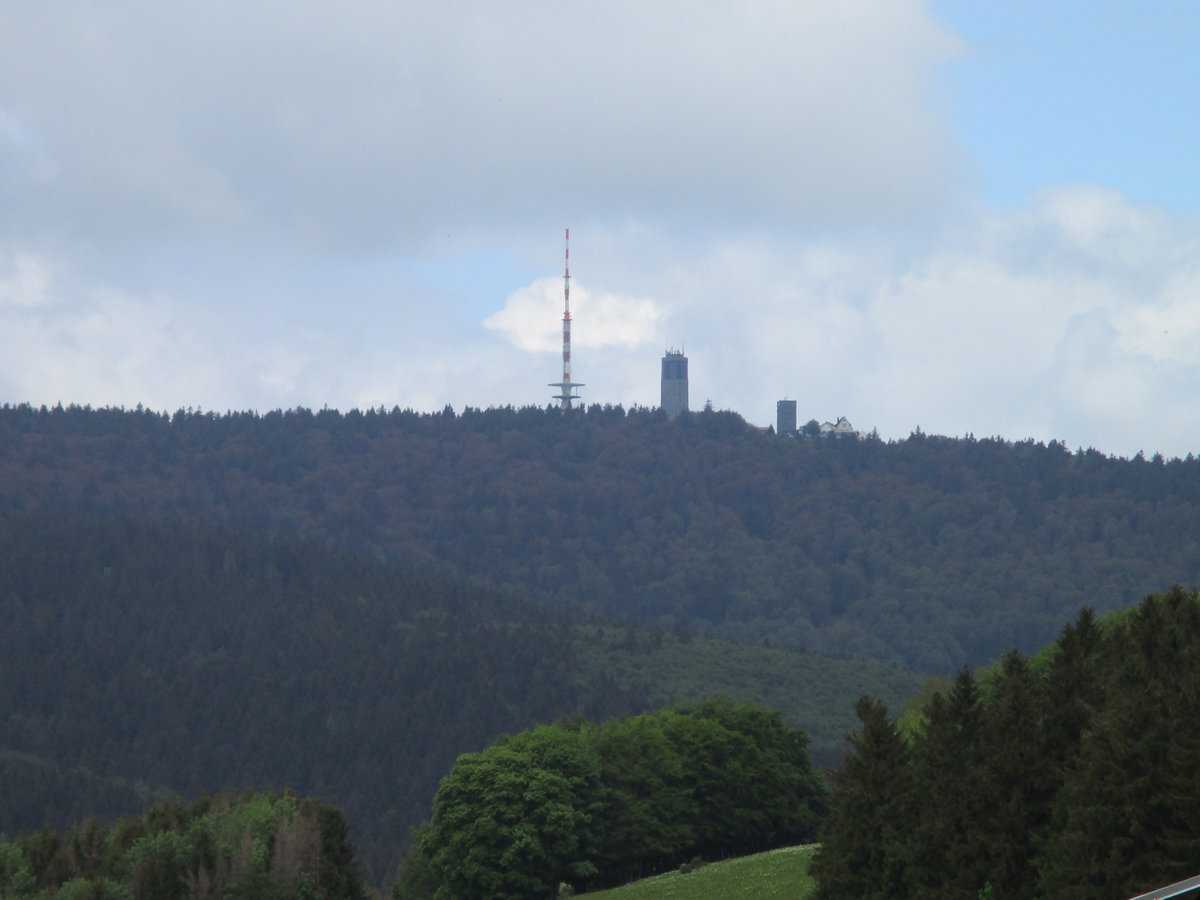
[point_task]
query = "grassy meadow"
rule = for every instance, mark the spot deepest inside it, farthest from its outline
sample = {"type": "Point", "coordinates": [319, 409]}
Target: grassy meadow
{"type": "Point", "coordinates": [776, 875]}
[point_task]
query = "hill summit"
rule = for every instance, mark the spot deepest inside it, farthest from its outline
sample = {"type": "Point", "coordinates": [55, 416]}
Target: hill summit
{"type": "Point", "coordinates": [931, 552]}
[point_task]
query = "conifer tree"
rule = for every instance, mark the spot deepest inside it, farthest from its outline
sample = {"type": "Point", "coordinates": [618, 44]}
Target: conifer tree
{"type": "Point", "coordinates": [1016, 784]}
{"type": "Point", "coordinates": [947, 853]}
{"type": "Point", "coordinates": [1128, 808]}
{"type": "Point", "coordinates": [1072, 690]}
{"type": "Point", "coordinates": [861, 838]}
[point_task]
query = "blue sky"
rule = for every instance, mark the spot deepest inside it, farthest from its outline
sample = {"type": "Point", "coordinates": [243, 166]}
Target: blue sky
{"type": "Point", "coordinates": [1100, 92]}
{"type": "Point", "coordinates": [971, 217]}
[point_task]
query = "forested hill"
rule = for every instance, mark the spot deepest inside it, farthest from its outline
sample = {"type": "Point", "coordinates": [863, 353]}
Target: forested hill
{"type": "Point", "coordinates": [192, 660]}
{"type": "Point", "coordinates": [138, 658]}
{"type": "Point", "coordinates": [930, 551]}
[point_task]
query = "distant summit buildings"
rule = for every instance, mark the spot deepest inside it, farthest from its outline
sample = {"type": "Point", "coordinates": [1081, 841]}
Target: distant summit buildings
{"type": "Point", "coordinates": [840, 428]}
{"type": "Point", "coordinates": [674, 400]}
{"type": "Point", "coordinates": [785, 423]}
{"type": "Point", "coordinates": [674, 388]}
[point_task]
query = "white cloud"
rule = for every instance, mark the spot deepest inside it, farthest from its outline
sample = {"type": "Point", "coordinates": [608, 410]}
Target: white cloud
{"type": "Point", "coordinates": [532, 318]}
{"type": "Point", "coordinates": [26, 281]}
{"type": "Point", "coordinates": [229, 205]}
{"type": "Point", "coordinates": [57, 351]}
{"type": "Point", "coordinates": [372, 124]}
{"type": "Point", "coordinates": [1011, 324]}
{"type": "Point", "coordinates": [1167, 327]}
{"type": "Point", "coordinates": [1073, 318]}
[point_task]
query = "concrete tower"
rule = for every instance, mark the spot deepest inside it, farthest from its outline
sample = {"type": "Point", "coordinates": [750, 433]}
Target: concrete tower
{"type": "Point", "coordinates": [674, 383]}
{"type": "Point", "coordinates": [785, 417]}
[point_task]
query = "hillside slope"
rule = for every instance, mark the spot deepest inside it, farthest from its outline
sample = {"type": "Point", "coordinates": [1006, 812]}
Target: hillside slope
{"type": "Point", "coordinates": [930, 551]}
{"type": "Point", "coordinates": [774, 875]}
{"type": "Point", "coordinates": [195, 659]}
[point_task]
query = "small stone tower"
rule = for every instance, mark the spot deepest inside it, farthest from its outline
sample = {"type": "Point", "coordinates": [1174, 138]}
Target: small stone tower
{"type": "Point", "coordinates": [785, 417]}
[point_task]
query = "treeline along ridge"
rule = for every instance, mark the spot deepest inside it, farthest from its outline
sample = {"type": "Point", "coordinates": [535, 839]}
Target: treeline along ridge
{"type": "Point", "coordinates": [929, 551]}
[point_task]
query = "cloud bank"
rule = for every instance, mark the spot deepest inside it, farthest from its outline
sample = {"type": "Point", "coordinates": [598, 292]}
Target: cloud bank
{"type": "Point", "coordinates": [259, 205]}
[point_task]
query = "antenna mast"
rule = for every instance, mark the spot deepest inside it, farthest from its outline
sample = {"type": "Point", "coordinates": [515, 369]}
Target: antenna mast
{"type": "Point", "coordinates": [566, 388]}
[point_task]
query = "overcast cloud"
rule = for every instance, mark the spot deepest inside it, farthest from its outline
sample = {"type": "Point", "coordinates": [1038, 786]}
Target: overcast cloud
{"type": "Point", "coordinates": [264, 204]}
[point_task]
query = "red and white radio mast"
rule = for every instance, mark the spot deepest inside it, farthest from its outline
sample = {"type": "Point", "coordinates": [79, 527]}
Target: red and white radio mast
{"type": "Point", "coordinates": [566, 387]}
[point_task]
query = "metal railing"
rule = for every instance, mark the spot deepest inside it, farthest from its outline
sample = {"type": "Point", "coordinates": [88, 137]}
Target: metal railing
{"type": "Point", "coordinates": [1190, 887]}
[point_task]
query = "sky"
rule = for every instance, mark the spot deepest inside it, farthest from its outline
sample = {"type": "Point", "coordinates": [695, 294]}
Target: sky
{"type": "Point", "coordinates": [965, 216]}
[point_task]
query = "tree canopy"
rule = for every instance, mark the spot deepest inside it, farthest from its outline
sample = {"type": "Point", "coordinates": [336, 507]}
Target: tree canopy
{"type": "Point", "coordinates": [1068, 776]}
{"type": "Point", "coordinates": [260, 846]}
{"type": "Point", "coordinates": [600, 804]}
{"type": "Point", "coordinates": [851, 546]}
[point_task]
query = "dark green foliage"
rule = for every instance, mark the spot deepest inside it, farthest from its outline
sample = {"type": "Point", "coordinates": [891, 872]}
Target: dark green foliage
{"type": "Point", "coordinates": [811, 691]}
{"type": "Point", "coordinates": [233, 846]}
{"type": "Point", "coordinates": [1071, 778]}
{"type": "Point", "coordinates": [863, 836]}
{"type": "Point", "coordinates": [35, 791]}
{"type": "Point", "coordinates": [1019, 775]}
{"type": "Point", "coordinates": [946, 853]}
{"type": "Point", "coordinates": [649, 810]}
{"type": "Point", "coordinates": [851, 546]}
{"type": "Point", "coordinates": [416, 878]}
{"type": "Point", "coordinates": [1130, 805]}
{"type": "Point", "coordinates": [517, 819]}
{"type": "Point", "coordinates": [338, 874]}
{"type": "Point", "coordinates": [186, 656]}
{"type": "Point", "coordinates": [749, 775]}
{"type": "Point", "coordinates": [601, 804]}
{"type": "Point", "coordinates": [289, 649]}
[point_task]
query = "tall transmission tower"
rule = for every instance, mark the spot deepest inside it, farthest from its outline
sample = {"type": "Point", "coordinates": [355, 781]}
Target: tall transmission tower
{"type": "Point", "coordinates": [566, 387]}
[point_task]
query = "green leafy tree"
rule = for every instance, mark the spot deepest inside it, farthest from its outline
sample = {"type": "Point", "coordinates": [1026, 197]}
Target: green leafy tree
{"type": "Point", "coordinates": [517, 819]}
{"type": "Point", "coordinates": [649, 814]}
{"type": "Point", "coordinates": [264, 847]}
{"type": "Point", "coordinates": [416, 878]}
{"type": "Point", "coordinates": [158, 867]}
{"type": "Point", "coordinates": [16, 876]}
{"type": "Point", "coordinates": [584, 805]}
{"type": "Point", "coordinates": [750, 775]}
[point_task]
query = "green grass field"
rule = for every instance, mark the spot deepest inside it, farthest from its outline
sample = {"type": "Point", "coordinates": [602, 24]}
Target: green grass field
{"type": "Point", "coordinates": [781, 874]}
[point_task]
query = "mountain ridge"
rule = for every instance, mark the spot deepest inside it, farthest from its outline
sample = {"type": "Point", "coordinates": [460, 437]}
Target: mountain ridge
{"type": "Point", "coordinates": [930, 551]}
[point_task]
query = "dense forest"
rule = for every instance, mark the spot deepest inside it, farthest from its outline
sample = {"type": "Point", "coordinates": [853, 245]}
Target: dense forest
{"type": "Point", "coordinates": [37, 793]}
{"type": "Point", "coordinates": [538, 814]}
{"type": "Point", "coordinates": [140, 660]}
{"type": "Point", "coordinates": [1069, 776]}
{"type": "Point", "coordinates": [243, 845]}
{"type": "Point", "coordinates": [344, 603]}
{"type": "Point", "coordinates": [930, 551]}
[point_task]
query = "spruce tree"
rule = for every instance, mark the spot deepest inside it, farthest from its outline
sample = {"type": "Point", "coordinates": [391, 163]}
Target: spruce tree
{"type": "Point", "coordinates": [1018, 785]}
{"type": "Point", "coordinates": [1128, 807]}
{"type": "Point", "coordinates": [947, 853]}
{"type": "Point", "coordinates": [861, 838]}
